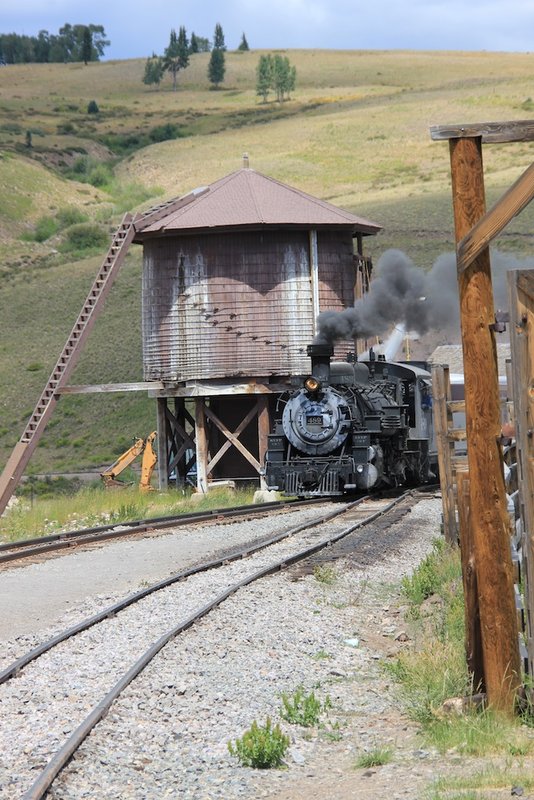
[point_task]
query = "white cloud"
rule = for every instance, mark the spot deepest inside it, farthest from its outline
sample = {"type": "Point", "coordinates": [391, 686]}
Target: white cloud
{"type": "Point", "coordinates": [384, 24]}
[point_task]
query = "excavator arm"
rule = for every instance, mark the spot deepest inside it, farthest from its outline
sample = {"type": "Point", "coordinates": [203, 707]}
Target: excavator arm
{"type": "Point", "coordinates": [144, 446]}
{"type": "Point", "coordinates": [148, 463]}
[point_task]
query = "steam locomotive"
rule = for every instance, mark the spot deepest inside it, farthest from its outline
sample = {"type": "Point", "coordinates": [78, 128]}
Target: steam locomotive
{"type": "Point", "coordinates": [352, 426]}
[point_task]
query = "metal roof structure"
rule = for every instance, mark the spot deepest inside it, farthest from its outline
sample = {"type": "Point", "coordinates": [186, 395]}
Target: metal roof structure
{"type": "Point", "coordinates": [248, 199]}
{"type": "Point", "coordinates": [452, 356]}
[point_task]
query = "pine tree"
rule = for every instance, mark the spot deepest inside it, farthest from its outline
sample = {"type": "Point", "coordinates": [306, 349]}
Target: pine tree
{"type": "Point", "coordinates": [154, 70]}
{"type": "Point", "coordinates": [243, 45]}
{"type": "Point", "coordinates": [193, 44]}
{"type": "Point", "coordinates": [264, 76]}
{"type": "Point", "coordinates": [176, 55]}
{"type": "Point", "coordinates": [216, 67]}
{"type": "Point", "coordinates": [218, 38]}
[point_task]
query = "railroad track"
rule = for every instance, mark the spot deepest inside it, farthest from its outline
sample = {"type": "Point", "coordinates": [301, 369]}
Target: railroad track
{"type": "Point", "coordinates": [47, 722]}
{"type": "Point", "coordinates": [68, 540]}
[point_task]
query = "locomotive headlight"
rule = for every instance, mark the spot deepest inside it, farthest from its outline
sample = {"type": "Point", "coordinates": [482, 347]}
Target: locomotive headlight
{"type": "Point", "coordinates": [311, 384]}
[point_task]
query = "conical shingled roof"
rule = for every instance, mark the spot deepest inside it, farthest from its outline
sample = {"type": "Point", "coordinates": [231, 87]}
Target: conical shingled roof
{"type": "Point", "coordinates": [248, 199]}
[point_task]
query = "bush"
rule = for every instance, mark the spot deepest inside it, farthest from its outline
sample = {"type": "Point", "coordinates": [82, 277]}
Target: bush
{"type": "Point", "coordinates": [70, 216]}
{"type": "Point", "coordinates": [261, 746]}
{"type": "Point", "coordinates": [45, 227]}
{"type": "Point", "coordinates": [88, 170]}
{"type": "Point", "coordinates": [65, 128]}
{"type": "Point", "coordinates": [92, 107]}
{"type": "Point", "coordinates": [162, 133]}
{"type": "Point", "coordinates": [84, 236]}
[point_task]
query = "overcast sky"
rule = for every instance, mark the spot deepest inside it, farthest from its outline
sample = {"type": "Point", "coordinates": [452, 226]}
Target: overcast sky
{"type": "Point", "coordinates": [138, 29]}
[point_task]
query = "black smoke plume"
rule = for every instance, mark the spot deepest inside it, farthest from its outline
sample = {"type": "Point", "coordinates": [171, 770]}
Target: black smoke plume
{"type": "Point", "coordinates": [403, 293]}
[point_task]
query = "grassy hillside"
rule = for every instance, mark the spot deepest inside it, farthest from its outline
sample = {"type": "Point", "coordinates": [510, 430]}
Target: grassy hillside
{"type": "Point", "coordinates": [356, 132]}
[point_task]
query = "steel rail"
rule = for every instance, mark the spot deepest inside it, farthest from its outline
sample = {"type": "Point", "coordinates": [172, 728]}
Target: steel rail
{"type": "Point", "coordinates": [233, 555]}
{"type": "Point", "coordinates": [63, 755]}
{"type": "Point", "coordinates": [27, 548]}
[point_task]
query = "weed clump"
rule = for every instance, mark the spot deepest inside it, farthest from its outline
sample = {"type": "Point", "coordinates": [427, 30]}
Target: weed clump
{"type": "Point", "coordinates": [303, 709]}
{"type": "Point", "coordinates": [325, 574]}
{"type": "Point", "coordinates": [374, 758]}
{"type": "Point", "coordinates": [261, 747]}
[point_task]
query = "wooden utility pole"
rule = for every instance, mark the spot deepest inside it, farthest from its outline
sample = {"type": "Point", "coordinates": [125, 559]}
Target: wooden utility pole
{"type": "Point", "coordinates": [488, 513]}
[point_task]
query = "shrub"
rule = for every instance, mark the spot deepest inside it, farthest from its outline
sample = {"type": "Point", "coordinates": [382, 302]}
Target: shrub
{"type": "Point", "coordinates": [262, 746]}
{"type": "Point", "coordinates": [100, 175]}
{"type": "Point", "coordinates": [162, 133]}
{"type": "Point", "coordinates": [84, 236]}
{"type": "Point", "coordinates": [65, 128]}
{"type": "Point", "coordinates": [45, 227]}
{"type": "Point", "coordinates": [70, 216]}
{"type": "Point", "coordinates": [92, 107]}
{"type": "Point", "coordinates": [303, 709]}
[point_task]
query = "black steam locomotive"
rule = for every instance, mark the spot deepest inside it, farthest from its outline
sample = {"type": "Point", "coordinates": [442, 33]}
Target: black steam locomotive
{"type": "Point", "coordinates": [351, 427]}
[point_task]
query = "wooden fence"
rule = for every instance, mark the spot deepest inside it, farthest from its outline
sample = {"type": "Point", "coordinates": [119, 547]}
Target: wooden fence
{"type": "Point", "coordinates": [518, 464]}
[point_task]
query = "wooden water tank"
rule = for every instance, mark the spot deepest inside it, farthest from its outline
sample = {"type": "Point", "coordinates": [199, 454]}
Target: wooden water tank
{"type": "Point", "coordinates": [233, 281]}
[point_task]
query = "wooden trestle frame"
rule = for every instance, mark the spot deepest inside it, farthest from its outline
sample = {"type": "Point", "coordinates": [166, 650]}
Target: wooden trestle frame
{"type": "Point", "coordinates": [184, 439]}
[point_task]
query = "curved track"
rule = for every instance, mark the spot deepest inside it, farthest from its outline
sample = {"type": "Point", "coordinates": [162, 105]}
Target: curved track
{"type": "Point", "coordinates": [285, 548]}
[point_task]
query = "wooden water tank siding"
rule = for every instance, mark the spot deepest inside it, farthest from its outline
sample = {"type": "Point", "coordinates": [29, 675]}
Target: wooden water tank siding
{"type": "Point", "coordinates": [230, 304]}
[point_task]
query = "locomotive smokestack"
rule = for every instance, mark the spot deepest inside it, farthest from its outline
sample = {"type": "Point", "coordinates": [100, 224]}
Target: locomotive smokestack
{"type": "Point", "coordinates": [320, 355]}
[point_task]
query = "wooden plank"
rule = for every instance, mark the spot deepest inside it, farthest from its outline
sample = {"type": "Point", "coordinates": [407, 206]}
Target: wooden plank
{"type": "Point", "coordinates": [264, 429]}
{"type": "Point", "coordinates": [440, 395]}
{"type": "Point", "coordinates": [507, 207]}
{"type": "Point", "coordinates": [487, 497]}
{"type": "Point", "coordinates": [200, 389]}
{"type": "Point", "coordinates": [456, 435]}
{"type": "Point", "coordinates": [489, 132]}
{"type": "Point", "coordinates": [525, 284]}
{"type": "Point", "coordinates": [201, 441]}
{"type": "Point", "coordinates": [145, 219]}
{"type": "Point", "coordinates": [103, 388]}
{"type": "Point", "coordinates": [521, 294]}
{"type": "Point", "coordinates": [473, 634]}
{"type": "Point", "coordinates": [162, 444]}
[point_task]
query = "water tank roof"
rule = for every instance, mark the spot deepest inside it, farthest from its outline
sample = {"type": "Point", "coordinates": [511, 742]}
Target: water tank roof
{"type": "Point", "coordinates": [247, 198]}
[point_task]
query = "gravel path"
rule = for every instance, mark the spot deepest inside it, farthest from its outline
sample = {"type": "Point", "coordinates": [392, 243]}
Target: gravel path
{"type": "Point", "coordinates": [34, 597]}
{"type": "Point", "coordinates": [167, 735]}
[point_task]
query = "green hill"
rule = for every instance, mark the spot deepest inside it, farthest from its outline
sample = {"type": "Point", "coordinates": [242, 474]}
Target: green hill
{"type": "Point", "coordinates": [356, 133]}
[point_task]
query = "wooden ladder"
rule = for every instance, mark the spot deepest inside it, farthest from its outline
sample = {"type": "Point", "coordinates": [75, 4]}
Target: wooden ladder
{"type": "Point", "coordinates": [67, 360]}
{"type": "Point", "coordinates": [70, 354]}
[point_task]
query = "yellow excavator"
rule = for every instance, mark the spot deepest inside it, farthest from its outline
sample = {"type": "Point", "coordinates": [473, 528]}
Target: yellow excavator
{"type": "Point", "coordinates": [144, 446]}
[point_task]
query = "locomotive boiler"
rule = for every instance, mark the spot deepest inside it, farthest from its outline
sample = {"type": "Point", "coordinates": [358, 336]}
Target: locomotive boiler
{"type": "Point", "coordinates": [352, 426]}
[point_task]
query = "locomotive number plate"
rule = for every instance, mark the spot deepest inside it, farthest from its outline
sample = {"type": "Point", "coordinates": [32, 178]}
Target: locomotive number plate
{"type": "Point", "coordinates": [316, 420]}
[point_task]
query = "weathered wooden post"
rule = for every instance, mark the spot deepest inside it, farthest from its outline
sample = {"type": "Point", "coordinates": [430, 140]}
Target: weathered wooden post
{"type": "Point", "coordinates": [442, 421]}
{"type": "Point", "coordinates": [489, 520]}
{"type": "Point", "coordinates": [473, 638]}
{"type": "Point", "coordinates": [521, 293]}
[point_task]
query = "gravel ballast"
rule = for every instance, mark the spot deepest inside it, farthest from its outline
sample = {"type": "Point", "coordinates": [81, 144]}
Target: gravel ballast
{"type": "Point", "coordinates": [167, 735]}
